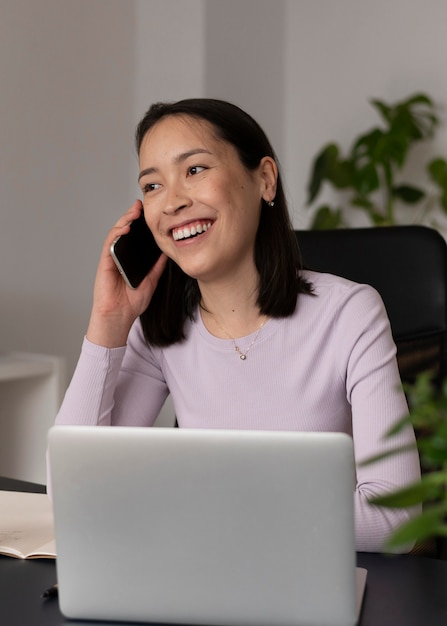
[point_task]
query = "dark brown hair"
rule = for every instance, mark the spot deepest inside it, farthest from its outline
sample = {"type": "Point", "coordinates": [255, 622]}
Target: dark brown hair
{"type": "Point", "coordinates": [277, 255]}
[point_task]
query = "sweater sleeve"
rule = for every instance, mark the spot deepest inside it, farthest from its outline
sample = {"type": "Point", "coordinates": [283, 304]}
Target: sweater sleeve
{"type": "Point", "coordinates": [89, 398]}
{"type": "Point", "coordinates": [115, 387]}
{"type": "Point", "coordinates": [375, 393]}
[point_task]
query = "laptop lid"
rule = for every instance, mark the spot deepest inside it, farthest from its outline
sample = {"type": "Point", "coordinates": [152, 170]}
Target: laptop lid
{"type": "Point", "coordinates": [204, 526]}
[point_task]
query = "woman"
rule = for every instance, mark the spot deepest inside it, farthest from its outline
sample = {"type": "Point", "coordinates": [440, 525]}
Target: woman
{"type": "Point", "coordinates": [227, 321]}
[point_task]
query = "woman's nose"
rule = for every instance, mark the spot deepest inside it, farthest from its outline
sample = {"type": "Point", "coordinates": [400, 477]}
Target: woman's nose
{"type": "Point", "coordinates": [177, 200]}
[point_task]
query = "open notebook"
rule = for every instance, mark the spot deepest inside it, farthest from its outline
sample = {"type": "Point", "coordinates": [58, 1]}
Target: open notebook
{"type": "Point", "coordinates": [205, 526]}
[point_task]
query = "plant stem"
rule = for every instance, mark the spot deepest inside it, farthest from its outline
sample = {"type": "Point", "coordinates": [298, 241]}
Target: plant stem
{"type": "Point", "coordinates": [385, 175]}
{"type": "Point", "coordinates": [389, 206]}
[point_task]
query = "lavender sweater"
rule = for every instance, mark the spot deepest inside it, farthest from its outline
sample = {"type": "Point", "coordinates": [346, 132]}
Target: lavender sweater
{"type": "Point", "coordinates": [329, 367]}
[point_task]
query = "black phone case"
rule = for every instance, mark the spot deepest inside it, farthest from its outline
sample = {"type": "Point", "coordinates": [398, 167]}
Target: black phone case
{"type": "Point", "coordinates": [136, 252]}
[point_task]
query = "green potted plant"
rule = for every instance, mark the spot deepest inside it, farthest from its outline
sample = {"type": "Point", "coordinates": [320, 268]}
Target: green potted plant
{"type": "Point", "coordinates": [369, 174]}
{"type": "Point", "coordinates": [428, 414]}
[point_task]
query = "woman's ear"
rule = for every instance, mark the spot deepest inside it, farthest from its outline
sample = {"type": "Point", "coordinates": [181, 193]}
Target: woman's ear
{"type": "Point", "coordinates": [268, 171]}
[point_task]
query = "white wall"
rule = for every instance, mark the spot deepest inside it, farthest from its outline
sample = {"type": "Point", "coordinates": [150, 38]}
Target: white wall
{"type": "Point", "coordinates": [76, 76]}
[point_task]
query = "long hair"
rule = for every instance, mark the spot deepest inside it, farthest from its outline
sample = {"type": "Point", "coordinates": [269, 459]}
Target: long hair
{"type": "Point", "coordinates": [276, 253]}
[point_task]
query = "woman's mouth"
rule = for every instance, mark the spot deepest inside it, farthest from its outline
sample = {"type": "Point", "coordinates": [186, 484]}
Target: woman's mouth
{"type": "Point", "coordinates": [191, 230]}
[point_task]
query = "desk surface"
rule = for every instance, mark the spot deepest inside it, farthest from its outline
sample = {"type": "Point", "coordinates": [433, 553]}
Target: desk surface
{"type": "Point", "coordinates": [401, 591]}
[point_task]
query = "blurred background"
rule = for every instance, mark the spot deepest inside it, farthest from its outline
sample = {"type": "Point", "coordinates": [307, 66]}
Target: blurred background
{"type": "Point", "coordinates": [77, 75]}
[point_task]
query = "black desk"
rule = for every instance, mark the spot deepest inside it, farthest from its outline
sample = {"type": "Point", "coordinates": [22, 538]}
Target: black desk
{"type": "Point", "coordinates": [401, 591]}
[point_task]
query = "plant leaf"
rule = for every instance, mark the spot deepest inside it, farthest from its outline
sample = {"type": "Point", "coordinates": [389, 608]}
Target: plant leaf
{"type": "Point", "coordinates": [322, 165]}
{"type": "Point", "coordinates": [386, 454]}
{"type": "Point", "coordinates": [366, 179]}
{"type": "Point", "coordinates": [326, 218]}
{"type": "Point", "coordinates": [382, 108]}
{"type": "Point", "coordinates": [437, 168]}
{"type": "Point", "coordinates": [431, 523]}
{"type": "Point", "coordinates": [340, 174]}
{"type": "Point", "coordinates": [430, 486]}
{"type": "Point", "coordinates": [408, 194]}
{"type": "Point", "coordinates": [362, 203]}
{"type": "Point", "coordinates": [418, 98]}
{"type": "Point", "coordinates": [378, 219]}
{"type": "Point", "coordinates": [417, 115]}
{"type": "Point", "coordinates": [395, 146]}
{"type": "Point", "coordinates": [368, 147]}
{"type": "Point", "coordinates": [399, 425]}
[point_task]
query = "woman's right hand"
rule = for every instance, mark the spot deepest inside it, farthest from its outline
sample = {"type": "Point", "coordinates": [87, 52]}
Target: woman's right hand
{"type": "Point", "coordinates": [115, 305]}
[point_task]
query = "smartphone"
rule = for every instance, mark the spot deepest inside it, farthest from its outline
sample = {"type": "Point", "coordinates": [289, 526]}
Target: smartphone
{"type": "Point", "coordinates": [136, 252]}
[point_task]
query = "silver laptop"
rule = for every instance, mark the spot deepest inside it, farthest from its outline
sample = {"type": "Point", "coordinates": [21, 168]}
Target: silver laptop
{"type": "Point", "coordinates": [210, 527]}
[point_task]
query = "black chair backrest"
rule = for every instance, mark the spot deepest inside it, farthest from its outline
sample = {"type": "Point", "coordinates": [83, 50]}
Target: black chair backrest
{"type": "Point", "coordinates": [408, 267]}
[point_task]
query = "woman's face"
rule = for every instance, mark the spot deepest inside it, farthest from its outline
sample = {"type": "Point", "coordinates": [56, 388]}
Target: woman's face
{"type": "Point", "coordinates": [201, 203]}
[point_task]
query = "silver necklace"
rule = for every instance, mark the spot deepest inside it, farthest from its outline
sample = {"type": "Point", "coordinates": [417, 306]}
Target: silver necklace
{"type": "Point", "coordinates": [242, 355]}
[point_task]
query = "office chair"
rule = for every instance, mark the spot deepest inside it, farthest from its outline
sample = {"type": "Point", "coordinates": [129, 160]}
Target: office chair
{"type": "Point", "coordinates": [408, 267]}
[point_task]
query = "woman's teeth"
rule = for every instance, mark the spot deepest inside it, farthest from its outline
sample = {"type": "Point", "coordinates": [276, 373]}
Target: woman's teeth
{"type": "Point", "coordinates": [189, 231]}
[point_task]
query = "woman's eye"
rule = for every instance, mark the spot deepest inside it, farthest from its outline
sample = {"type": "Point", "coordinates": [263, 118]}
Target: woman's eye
{"type": "Point", "coordinates": [196, 169]}
{"type": "Point", "coordinates": [150, 187]}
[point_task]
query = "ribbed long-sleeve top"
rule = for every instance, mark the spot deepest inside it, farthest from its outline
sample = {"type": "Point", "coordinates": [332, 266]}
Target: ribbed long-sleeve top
{"type": "Point", "coordinates": [331, 366]}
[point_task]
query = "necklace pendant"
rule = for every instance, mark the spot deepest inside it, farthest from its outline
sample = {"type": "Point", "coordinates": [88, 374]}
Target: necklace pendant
{"type": "Point", "coordinates": [242, 357]}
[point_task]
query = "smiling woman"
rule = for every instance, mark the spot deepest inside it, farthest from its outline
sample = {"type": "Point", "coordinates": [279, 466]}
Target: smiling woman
{"type": "Point", "coordinates": [221, 169]}
{"type": "Point", "coordinates": [228, 322]}
{"type": "Point", "coordinates": [194, 182]}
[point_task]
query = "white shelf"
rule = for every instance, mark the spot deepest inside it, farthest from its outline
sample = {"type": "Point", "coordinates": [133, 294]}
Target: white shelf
{"type": "Point", "coordinates": [31, 390]}
{"type": "Point", "coordinates": [18, 366]}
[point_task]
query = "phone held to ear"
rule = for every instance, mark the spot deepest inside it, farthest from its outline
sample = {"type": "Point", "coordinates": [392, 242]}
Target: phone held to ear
{"type": "Point", "coordinates": [136, 252]}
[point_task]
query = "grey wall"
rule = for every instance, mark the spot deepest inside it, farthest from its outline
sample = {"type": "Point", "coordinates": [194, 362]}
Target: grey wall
{"type": "Point", "coordinates": [245, 59]}
{"type": "Point", "coordinates": [76, 75]}
{"type": "Point", "coordinates": [66, 129]}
